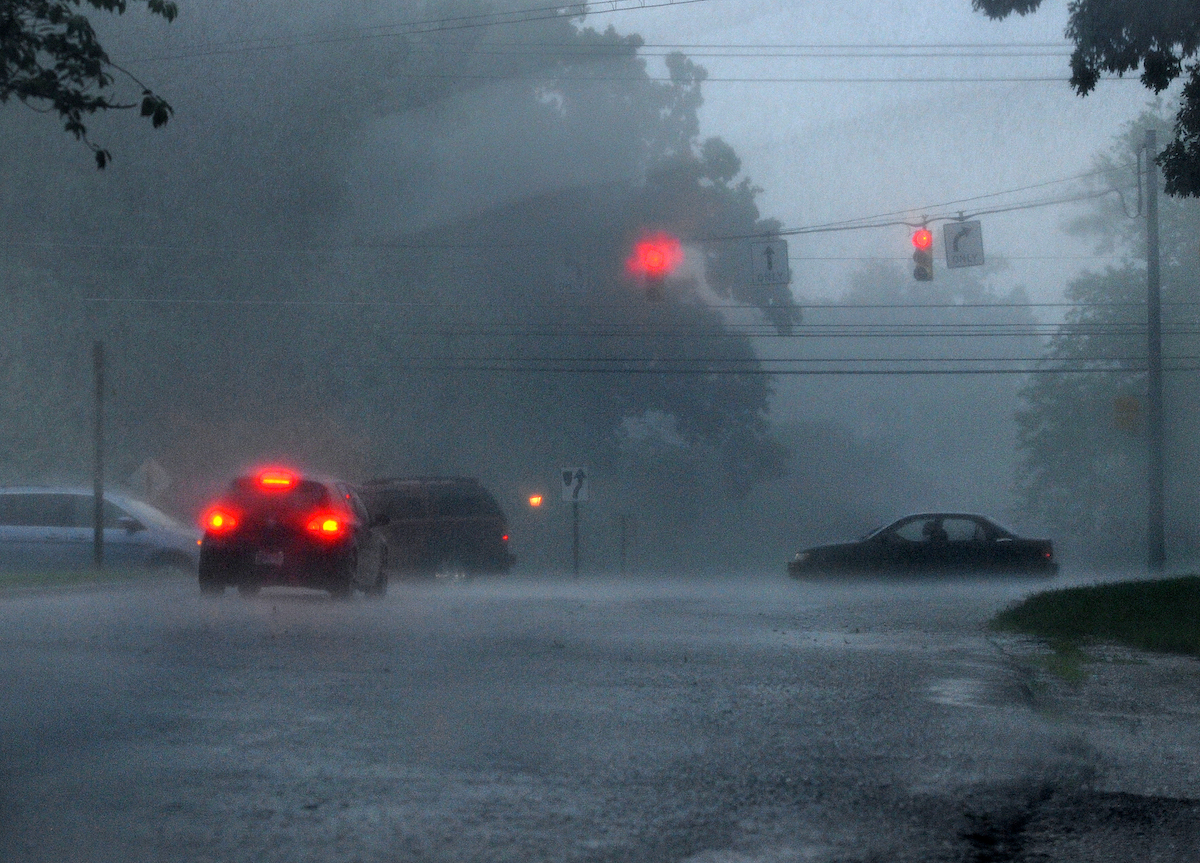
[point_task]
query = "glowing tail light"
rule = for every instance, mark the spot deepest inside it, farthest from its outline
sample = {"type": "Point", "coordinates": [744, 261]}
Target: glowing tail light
{"type": "Point", "coordinates": [218, 520]}
{"type": "Point", "coordinates": [327, 525]}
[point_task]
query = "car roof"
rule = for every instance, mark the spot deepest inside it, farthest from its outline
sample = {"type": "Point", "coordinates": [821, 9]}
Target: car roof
{"type": "Point", "coordinates": [424, 480]}
{"type": "Point", "coordinates": [947, 514]}
{"type": "Point", "coordinates": [942, 514]}
{"type": "Point", "coordinates": [66, 489]}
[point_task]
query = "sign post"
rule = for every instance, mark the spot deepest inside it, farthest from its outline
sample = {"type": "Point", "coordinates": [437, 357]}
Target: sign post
{"type": "Point", "coordinates": [575, 490]}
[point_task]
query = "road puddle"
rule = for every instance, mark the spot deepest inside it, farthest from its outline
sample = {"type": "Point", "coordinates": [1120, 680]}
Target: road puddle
{"type": "Point", "coordinates": [960, 692]}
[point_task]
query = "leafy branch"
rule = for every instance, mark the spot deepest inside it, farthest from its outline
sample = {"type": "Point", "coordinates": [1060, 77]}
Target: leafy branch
{"type": "Point", "coordinates": [52, 58]}
{"type": "Point", "coordinates": [1119, 36]}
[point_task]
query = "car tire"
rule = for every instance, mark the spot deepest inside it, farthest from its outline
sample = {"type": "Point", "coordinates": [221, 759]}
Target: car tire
{"type": "Point", "coordinates": [379, 589]}
{"type": "Point", "coordinates": [342, 586]}
{"type": "Point", "coordinates": [173, 564]}
{"type": "Point", "coordinates": [208, 587]}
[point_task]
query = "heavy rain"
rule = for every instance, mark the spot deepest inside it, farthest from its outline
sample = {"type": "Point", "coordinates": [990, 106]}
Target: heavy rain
{"type": "Point", "coordinates": [599, 431]}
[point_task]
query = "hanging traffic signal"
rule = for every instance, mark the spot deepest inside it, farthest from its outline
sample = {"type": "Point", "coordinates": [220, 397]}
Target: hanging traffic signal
{"type": "Point", "coordinates": [922, 238]}
{"type": "Point", "coordinates": [654, 257]}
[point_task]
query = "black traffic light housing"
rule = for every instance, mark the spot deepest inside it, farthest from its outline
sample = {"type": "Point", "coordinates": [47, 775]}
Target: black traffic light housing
{"type": "Point", "coordinates": [922, 238]}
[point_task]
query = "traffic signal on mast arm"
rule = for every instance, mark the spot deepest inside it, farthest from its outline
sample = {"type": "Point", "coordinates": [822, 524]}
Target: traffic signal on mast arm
{"type": "Point", "coordinates": [922, 238]}
{"type": "Point", "coordinates": [654, 257]}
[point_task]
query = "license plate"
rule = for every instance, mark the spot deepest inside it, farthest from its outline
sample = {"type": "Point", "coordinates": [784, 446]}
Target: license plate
{"type": "Point", "coordinates": [268, 558]}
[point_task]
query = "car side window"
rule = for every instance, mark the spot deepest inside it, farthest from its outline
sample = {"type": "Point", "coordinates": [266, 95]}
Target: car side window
{"type": "Point", "coordinates": [962, 529]}
{"type": "Point", "coordinates": [402, 506]}
{"type": "Point", "coordinates": [83, 515]}
{"type": "Point", "coordinates": [913, 531]}
{"type": "Point", "coordinates": [37, 510]}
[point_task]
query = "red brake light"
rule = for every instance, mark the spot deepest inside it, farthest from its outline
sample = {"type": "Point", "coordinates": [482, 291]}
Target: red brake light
{"type": "Point", "coordinates": [276, 479]}
{"type": "Point", "coordinates": [219, 520]}
{"type": "Point", "coordinates": [327, 525]}
{"type": "Point", "coordinates": [504, 538]}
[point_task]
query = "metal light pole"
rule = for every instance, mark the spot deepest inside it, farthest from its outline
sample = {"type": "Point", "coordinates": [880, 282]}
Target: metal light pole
{"type": "Point", "coordinates": [98, 463]}
{"type": "Point", "coordinates": [1155, 539]}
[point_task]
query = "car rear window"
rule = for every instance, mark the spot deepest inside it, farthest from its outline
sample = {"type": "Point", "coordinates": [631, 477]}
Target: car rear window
{"type": "Point", "coordinates": [457, 504]}
{"type": "Point", "coordinates": [397, 504]}
{"type": "Point", "coordinates": [306, 495]}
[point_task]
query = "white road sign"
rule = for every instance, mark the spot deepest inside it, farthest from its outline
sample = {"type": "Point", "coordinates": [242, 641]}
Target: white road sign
{"type": "Point", "coordinates": [574, 484]}
{"type": "Point", "coordinates": [964, 244]}
{"type": "Point", "coordinates": [769, 262]}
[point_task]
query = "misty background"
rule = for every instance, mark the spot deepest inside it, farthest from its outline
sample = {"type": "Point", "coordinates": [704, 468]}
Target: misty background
{"type": "Point", "coordinates": [369, 251]}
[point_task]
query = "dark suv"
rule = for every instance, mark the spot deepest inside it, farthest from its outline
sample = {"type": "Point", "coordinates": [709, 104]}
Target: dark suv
{"type": "Point", "coordinates": [446, 526]}
{"type": "Point", "coordinates": [277, 527]}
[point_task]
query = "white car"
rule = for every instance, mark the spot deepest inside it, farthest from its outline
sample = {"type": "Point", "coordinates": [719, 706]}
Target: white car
{"type": "Point", "coordinates": [51, 528]}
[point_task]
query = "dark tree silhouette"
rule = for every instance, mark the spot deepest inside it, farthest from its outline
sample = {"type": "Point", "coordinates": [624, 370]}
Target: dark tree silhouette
{"type": "Point", "coordinates": [1119, 36]}
{"type": "Point", "coordinates": [54, 62]}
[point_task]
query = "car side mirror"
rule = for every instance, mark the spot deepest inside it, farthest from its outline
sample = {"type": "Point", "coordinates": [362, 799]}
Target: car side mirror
{"type": "Point", "coordinates": [131, 524]}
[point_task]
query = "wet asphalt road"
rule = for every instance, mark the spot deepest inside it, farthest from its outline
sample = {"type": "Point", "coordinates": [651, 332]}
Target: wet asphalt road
{"type": "Point", "coordinates": [745, 720]}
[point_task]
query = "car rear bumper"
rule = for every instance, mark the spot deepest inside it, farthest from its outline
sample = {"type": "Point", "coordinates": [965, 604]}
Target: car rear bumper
{"type": "Point", "coordinates": [295, 567]}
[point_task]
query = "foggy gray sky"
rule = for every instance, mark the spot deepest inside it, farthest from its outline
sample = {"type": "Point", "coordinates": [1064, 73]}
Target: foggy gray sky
{"type": "Point", "coordinates": [257, 77]}
{"type": "Point", "coordinates": [824, 152]}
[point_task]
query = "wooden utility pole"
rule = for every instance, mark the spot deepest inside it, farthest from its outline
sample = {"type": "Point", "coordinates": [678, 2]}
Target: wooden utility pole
{"type": "Point", "coordinates": [1155, 535]}
{"type": "Point", "coordinates": [98, 463]}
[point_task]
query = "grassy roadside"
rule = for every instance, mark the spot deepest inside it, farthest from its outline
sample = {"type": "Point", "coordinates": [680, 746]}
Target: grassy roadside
{"type": "Point", "coordinates": [1161, 615]}
{"type": "Point", "coordinates": [33, 579]}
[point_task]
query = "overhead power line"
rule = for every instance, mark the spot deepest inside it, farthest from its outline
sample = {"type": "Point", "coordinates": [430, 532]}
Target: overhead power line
{"type": "Point", "coordinates": [593, 305]}
{"type": "Point", "coordinates": [893, 79]}
{"type": "Point", "coordinates": [624, 50]}
{"type": "Point", "coordinates": [773, 372]}
{"type": "Point", "coordinates": [426, 26]}
{"type": "Point", "coordinates": [883, 220]}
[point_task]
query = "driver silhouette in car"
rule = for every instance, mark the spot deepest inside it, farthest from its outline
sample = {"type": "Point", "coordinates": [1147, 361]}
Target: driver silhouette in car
{"type": "Point", "coordinates": [934, 532]}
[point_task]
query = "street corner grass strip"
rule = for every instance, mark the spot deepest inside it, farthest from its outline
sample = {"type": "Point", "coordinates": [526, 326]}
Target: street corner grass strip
{"type": "Point", "coordinates": [1161, 615]}
{"type": "Point", "coordinates": [62, 577]}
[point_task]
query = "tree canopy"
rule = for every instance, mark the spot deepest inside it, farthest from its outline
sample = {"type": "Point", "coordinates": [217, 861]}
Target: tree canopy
{"type": "Point", "coordinates": [349, 256]}
{"type": "Point", "coordinates": [1119, 36]}
{"type": "Point", "coordinates": [53, 61]}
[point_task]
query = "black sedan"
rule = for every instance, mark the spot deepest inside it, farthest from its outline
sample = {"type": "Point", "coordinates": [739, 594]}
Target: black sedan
{"type": "Point", "coordinates": [278, 527]}
{"type": "Point", "coordinates": [931, 542]}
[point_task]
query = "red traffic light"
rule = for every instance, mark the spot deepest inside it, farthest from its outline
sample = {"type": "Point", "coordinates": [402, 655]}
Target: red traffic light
{"type": "Point", "coordinates": [655, 256]}
{"type": "Point", "coordinates": [922, 238]}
